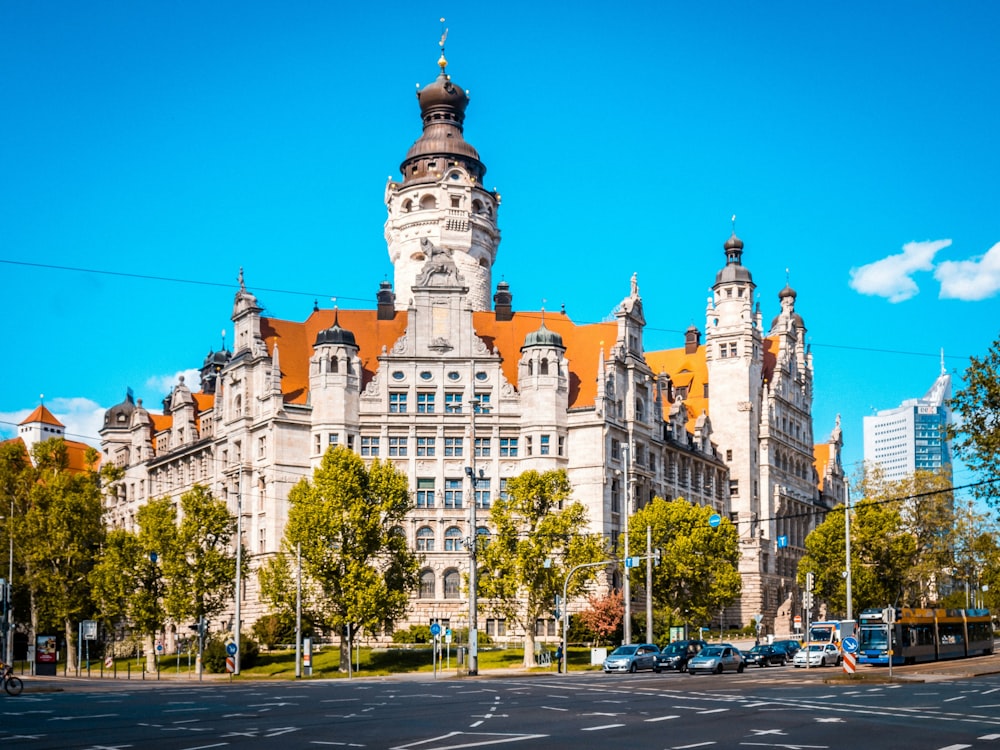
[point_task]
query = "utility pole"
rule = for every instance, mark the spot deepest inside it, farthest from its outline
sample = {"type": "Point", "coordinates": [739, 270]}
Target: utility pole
{"type": "Point", "coordinates": [473, 604]}
{"type": "Point", "coordinates": [239, 566]}
{"type": "Point", "coordinates": [649, 584]}
{"type": "Point", "coordinates": [298, 610]}
{"type": "Point", "coordinates": [626, 588]}
{"type": "Point", "coordinates": [847, 573]}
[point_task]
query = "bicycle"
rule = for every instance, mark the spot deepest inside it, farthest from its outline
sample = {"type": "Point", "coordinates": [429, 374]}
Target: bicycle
{"type": "Point", "coordinates": [11, 682]}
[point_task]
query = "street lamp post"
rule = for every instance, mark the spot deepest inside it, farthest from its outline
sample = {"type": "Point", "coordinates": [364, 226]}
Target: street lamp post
{"type": "Point", "coordinates": [626, 588]}
{"type": "Point", "coordinates": [239, 571]}
{"type": "Point", "coordinates": [9, 620]}
{"type": "Point", "coordinates": [473, 604]}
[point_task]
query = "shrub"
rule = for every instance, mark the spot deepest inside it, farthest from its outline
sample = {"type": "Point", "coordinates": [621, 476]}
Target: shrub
{"type": "Point", "coordinates": [214, 656]}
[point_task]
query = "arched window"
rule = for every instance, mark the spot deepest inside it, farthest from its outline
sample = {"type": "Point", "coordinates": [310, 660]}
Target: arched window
{"type": "Point", "coordinates": [427, 585]}
{"type": "Point", "coordinates": [452, 584]}
{"type": "Point", "coordinates": [531, 367]}
{"type": "Point", "coordinates": [640, 410]}
{"type": "Point", "coordinates": [453, 539]}
{"type": "Point", "coordinates": [427, 202]}
{"type": "Point", "coordinates": [425, 539]}
{"type": "Point", "coordinates": [482, 537]}
{"type": "Point", "coordinates": [238, 404]}
{"type": "Point", "coordinates": [407, 206]}
{"type": "Point", "coordinates": [543, 366]}
{"type": "Point", "coordinates": [477, 206]}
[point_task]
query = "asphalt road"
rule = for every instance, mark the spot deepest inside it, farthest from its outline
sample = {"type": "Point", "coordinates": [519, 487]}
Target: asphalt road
{"type": "Point", "coordinates": [777, 707]}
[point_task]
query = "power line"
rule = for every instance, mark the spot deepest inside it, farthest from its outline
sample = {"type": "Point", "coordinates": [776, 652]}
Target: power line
{"type": "Point", "coordinates": [327, 295]}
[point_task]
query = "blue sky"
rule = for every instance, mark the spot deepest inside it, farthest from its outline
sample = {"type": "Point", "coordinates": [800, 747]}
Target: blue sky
{"type": "Point", "coordinates": [855, 142]}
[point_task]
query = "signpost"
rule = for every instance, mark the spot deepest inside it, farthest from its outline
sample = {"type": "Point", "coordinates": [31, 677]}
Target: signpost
{"type": "Point", "coordinates": [850, 646]}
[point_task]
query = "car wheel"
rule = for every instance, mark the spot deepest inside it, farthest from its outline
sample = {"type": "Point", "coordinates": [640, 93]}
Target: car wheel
{"type": "Point", "coordinates": [718, 669]}
{"type": "Point", "coordinates": [783, 662]}
{"type": "Point", "coordinates": [631, 668]}
{"type": "Point", "coordinates": [657, 670]}
{"type": "Point", "coordinates": [739, 669]}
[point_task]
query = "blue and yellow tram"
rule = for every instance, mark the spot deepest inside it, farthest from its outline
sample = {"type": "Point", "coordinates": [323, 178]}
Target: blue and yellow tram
{"type": "Point", "coordinates": [920, 635]}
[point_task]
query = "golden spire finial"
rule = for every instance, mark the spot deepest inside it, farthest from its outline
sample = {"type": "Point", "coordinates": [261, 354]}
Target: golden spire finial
{"type": "Point", "coordinates": [442, 62]}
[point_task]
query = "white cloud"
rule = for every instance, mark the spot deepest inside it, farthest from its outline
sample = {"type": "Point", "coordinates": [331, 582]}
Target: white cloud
{"type": "Point", "coordinates": [164, 384]}
{"type": "Point", "coordinates": [891, 277]}
{"type": "Point", "coordinates": [970, 280]}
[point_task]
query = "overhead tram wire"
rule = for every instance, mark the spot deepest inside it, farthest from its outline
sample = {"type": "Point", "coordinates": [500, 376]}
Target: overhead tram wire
{"type": "Point", "coordinates": [369, 300]}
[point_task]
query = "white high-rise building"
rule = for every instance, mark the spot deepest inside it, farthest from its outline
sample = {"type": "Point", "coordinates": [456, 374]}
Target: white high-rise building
{"type": "Point", "coordinates": [913, 436]}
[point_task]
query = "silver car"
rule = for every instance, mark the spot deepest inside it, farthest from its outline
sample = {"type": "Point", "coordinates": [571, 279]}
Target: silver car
{"type": "Point", "coordinates": [818, 654]}
{"type": "Point", "coordinates": [632, 658]}
{"type": "Point", "coordinates": [716, 660]}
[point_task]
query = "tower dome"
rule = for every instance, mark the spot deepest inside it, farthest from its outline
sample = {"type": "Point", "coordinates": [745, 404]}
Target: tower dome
{"type": "Point", "coordinates": [120, 415]}
{"type": "Point", "coordinates": [442, 109]}
{"type": "Point", "coordinates": [734, 269]}
{"type": "Point", "coordinates": [543, 337]}
{"type": "Point", "coordinates": [335, 335]}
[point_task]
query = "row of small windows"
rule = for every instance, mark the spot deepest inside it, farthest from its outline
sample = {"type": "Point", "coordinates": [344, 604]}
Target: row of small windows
{"type": "Point", "coordinates": [453, 447]}
{"type": "Point", "coordinates": [429, 496]}
{"type": "Point", "coordinates": [428, 202]}
{"type": "Point", "coordinates": [453, 540]}
{"type": "Point", "coordinates": [427, 402]}
{"type": "Point", "coordinates": [428, 375]}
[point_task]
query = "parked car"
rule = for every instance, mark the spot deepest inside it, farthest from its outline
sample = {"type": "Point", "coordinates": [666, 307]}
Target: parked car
{"type": "Point", "coordinates": [818, 654]}
{"type": "Point", "coordinates": [790, 646]}
{"type": "Point", "coordinates": [676, 655]}
{"type": "Point", "coordinates": [632, 658]}
{"type": "Point", "coordinates": [717, 659]}
{"type": "Point", "coordinates": [767, 654]}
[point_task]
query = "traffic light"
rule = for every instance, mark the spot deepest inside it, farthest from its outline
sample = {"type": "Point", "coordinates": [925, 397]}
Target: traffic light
{"type": "Point", "coordinates": [656, 556]}
{"type": "Point", "coordinates": [810, 580]}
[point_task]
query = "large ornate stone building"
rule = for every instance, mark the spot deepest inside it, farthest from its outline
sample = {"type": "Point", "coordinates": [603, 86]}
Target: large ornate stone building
{"type": "Point", "coordinates": [437, 380]}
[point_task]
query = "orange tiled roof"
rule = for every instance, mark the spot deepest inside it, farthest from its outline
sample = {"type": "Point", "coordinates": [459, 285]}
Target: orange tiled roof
{"type": "Point", "coordinates": [295, 342]}
{"type": "Point", "coordinates": [583, 346]}
{"type": "Point", "coordinates": [43, 415]}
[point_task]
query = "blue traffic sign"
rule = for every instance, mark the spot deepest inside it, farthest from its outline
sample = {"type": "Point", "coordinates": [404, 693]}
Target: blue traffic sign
{"type": "Point", "coordinates": [231, 649]}
{"type": "Point", "coordinates": [715, 520]}
{"type": "Point", "coordinates": [783, 541]}
{"type": "Point", "coordinates": [436, 629]}
{"type": "Point", "coordinates": [851, 645]}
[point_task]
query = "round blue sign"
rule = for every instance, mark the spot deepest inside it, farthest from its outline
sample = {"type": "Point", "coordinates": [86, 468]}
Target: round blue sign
{"type": "Point", "coordinates": [435, 630]}
{"type": "Point", "coordinates": [715, 520]}
{"type": "Point", "coordinates": [851, 645]}
{"type": "Point", "coordinates": [231, 649]}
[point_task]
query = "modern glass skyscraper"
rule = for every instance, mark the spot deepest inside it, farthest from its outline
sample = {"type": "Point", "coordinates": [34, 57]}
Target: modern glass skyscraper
{"type": "Point", "coordinates": [913, 436]}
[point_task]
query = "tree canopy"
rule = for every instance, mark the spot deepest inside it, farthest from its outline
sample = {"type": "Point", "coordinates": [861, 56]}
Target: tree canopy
{"type": "Point", "coordinates": [347, 520]}
{"type": "Point", "coordinates": [976, 430]}
{"type": "Point", "coordinates": [698, 574]}
{"type": "Point", "coordinates": [536, 541]}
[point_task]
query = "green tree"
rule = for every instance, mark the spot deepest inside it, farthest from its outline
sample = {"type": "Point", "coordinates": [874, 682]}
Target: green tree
{"type": "Point", "coordinates": [928, 514]}
{"type": "Point", "coordinates": [346, 522]}
{"type": "Point", "coordinates": [882, 552]}
{"type": "Point", "coordinates": [199, 561]}
{"type": "Point", "coordinates": [536, 541]}
{"type": "Point", "coordinates": [277, 587]}
{"type": "Point", "coordinates": [698, 574]}
{"type": "Point", "coordinates": [128, 582]}
{"type": "Point", "coordinates": [976, 431]}
{"type": "Point", "coordinates": [59, 538]}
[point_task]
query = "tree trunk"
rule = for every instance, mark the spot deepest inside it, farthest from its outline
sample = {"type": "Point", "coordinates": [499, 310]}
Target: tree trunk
{"type": "Point", "coordinates": [529, 647]}
{"type": "Point", "coordinates": [149, 647]}
{"type": "Point", "coordinates": [71, 656]}
{"type": "Point", "coordinates": [345, 649]}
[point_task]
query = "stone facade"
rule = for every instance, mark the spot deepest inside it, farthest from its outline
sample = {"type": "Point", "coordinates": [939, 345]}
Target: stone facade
{"type": "Point", "coordinates": [443, 386]}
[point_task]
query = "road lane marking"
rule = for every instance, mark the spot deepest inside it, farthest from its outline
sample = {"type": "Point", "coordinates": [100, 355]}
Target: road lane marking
{"type": "Point", "coordinates": [989, 737]}
{"type": "Point", "coordinates": [712, 711]}
{"type": "Point", "coordinates": [664, 718]}
{"type": "Point", "coordinates": [954, 747]}
{"type": "Point", "coordinates": [688, 747]}
{"type": "Point", "coordinates": [956, 698]}
{"type": "Point", "coordinates": [602, 726]}
{"type": "Point", "coordinates": [554, 708]}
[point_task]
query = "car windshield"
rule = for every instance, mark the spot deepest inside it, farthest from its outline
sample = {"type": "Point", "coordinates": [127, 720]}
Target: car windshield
{"type": "Point", "coordinates": [711, 651]}
{"type": "Point", "coordinates": [673, 648]}
{"type": "Point", "coordinates": [757, 649]}
{"type": "Point", "coordinates": [624, 651]}
{"type": "Point", "coordinates": [816, 647]}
